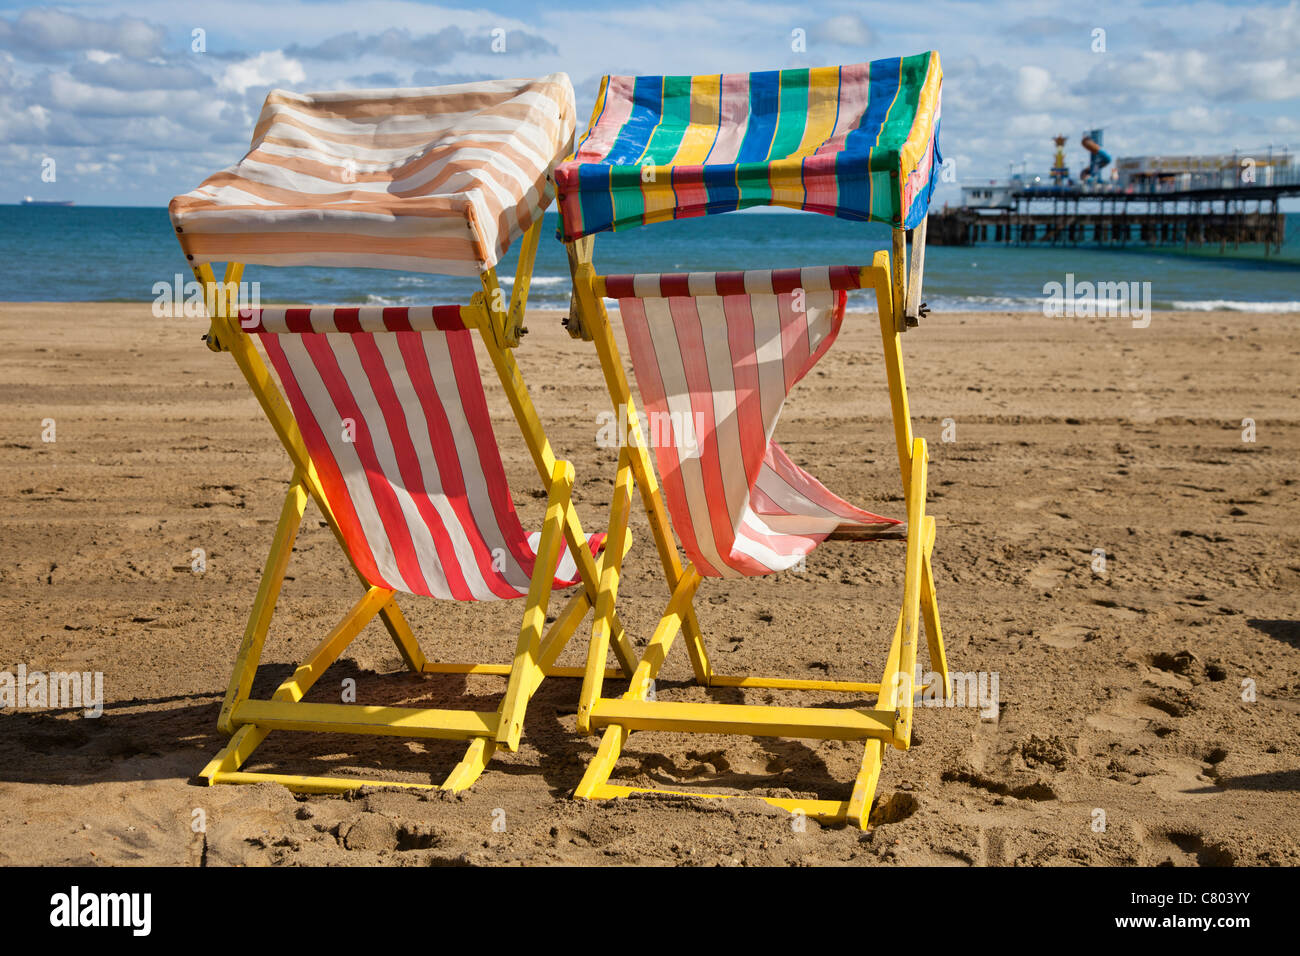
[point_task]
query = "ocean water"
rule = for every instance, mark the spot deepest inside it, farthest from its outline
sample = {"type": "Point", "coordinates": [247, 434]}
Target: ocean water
{"type": "Point", "coordinates": [118, 255]}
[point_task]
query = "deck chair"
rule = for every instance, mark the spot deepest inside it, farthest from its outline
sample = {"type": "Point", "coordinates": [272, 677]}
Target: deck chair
{"type": "Point", "coordinates": [382, 410]}
{"type": "Point", "coordinates": [716, 354]}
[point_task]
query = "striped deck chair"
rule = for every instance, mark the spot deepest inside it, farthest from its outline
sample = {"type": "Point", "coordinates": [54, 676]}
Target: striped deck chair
{"type": "Point", "coordinates": [382, 410]}
{"type": "Point", "coordinates": [716, 354]}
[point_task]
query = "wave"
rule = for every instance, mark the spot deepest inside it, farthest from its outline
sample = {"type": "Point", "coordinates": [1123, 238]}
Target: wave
{"type": "Point", "coordinates": [540, 301]}
{"type": "Point", "coordinates": [1010, 303]}
{"type": "Point", "coordinates": [982, 303]}
{"type": "Point", "coordinates": [536, 280]}
{"type": "Point", "coordinates": [1233, 305]}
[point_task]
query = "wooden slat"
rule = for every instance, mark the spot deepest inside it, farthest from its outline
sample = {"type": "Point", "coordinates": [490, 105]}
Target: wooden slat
{"type": "Point", "coordinates": [850, 533]}
{"type": "Point", "coordinates": [360, 719]}
{"type": "Point", "coordinates": [819, 723]}
{"type": "Point", "coordinates": [795, 683]}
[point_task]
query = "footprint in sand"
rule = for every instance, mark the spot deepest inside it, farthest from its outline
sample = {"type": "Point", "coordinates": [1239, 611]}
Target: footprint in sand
{"type": "Point", "coordinates": [1175, 848]}
{"type": "Point", "coordinates": [1031, 504]}
{"type": "Point", "coordinates": [1175, 777]}
{"type": "Point", "coordinates": [1127, 716]}
{"type": "Point", "coordinates": [1048, 574]}
{"type": "Point", "coordinates": [1066, 636]}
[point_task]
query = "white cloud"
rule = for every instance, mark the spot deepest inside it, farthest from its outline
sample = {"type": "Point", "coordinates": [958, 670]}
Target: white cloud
{"type": "Point", "coordinates": [1197, 119]}
{"type": "Point", "coordinates": [844, 30]}
{"type": "Point", "coordinates": [19, 125]}
{"type": "Point", "coordinates": [1220, 76]}
{"type": "Point", "coordinates": [263, 70]}
{"type": "Point", "coordinates": [39, 33]}
{"type": "Point", "coordinates": [1036, 125]}
{"type": "Point", "coordinates": [64, 92]}
{"type": "Point", "coordinates": [1032, 86]}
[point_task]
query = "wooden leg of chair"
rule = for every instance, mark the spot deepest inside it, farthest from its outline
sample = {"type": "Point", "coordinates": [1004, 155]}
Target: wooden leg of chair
{"type": "Point", "coordinates": [602, 765]}
{"type": "Point", "coordinates": [864, 787]}
{"type": "Point", "coordinates": [232, 756]}
{"type": "Point", "coordinates": [930, 613]}
{"type": "Point", "coordinates": [525, 672]}
{"type": "Point", "coordinates": [675, 615]}
{"type": "Point", "coordinates": [589, 571]}
{"type": "Point", "coordinates": [471, 765]}
{"type": "Point", "coordinates": [403, 637]}
{"type": "Point", "coordinates": [911, 597]}
{"type": "Point", "coordinates": [617, 544]}
{"type": "Point", "coordinates": [566, 624]}
{"type": "Point", "coordinates": [268, 592]}
{"type": "Point", "coordinates": [598, 648]}
{"type": "Point", "coordinates": [891, 682]}
{"type": "Point", "coordinates": [694, 638]}
{"type": "Point", "coordinates": [624, 651]}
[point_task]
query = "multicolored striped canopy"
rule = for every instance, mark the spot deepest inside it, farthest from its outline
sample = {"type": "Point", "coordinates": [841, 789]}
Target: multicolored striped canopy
{"type": "Point", "coordinates": [859, 142]}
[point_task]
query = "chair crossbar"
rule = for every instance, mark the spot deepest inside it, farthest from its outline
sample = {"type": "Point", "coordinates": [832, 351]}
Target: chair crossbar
{"type": "Point", "coordinates": [360, 719]}
{"type": "Point", "coordinates": [818, 723]}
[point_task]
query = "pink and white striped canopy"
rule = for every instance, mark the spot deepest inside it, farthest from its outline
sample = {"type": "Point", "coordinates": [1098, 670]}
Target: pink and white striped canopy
{"type": "Point", "coordinates": [393, 413]}
{"type": "Point", "coordinates": [715, 356]}
{"type": "Point", "coordinates": [434, 179]}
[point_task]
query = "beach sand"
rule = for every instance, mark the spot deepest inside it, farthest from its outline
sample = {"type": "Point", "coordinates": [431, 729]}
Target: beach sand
{"type": "Point", "coordinates": [1121, 692]}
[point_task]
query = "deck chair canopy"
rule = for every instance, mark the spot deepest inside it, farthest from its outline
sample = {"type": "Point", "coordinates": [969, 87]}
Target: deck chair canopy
{"type": "Point", "coordinates": [715, 355]}
{"type": "Point", "coordinates": [437, 179]}
{"type": "Point", "coordinates": [859, 142]}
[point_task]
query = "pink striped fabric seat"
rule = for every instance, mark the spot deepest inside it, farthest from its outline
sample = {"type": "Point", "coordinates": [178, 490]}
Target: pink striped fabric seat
{"type": "Point", "coordinates": [715, 356]}
{"type": "Point", "coordinates": [392, 410]}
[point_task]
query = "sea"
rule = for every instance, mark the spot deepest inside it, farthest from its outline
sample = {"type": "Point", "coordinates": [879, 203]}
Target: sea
{"type": "Point", "coordinates": [108, 254]}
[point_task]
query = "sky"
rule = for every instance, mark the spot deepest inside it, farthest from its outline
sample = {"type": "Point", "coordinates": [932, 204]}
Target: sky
{"type": "Point", "coordinates": [137, 101]}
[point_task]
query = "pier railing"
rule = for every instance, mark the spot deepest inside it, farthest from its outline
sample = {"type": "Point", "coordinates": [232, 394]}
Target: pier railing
{"type": "Point", "coordinates": [1247, 174]}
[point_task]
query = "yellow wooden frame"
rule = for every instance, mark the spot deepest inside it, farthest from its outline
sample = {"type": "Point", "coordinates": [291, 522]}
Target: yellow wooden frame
{"type": "Point", "coordinates": [890, 721]}
{"type": "Point", "coordinates": [249, 721]}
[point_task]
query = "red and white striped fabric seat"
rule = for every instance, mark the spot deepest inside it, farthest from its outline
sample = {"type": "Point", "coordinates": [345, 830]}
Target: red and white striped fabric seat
{"type": "Point", "coordinates": [391, 408]}
{"type": "Point", "coordinates": [368, 318]}
{"type": "Point", "coordinates": [715, 356]}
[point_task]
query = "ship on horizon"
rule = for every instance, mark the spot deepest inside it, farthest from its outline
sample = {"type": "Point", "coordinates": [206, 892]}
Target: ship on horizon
{"type": "Point", "coordinates": [29, 201]}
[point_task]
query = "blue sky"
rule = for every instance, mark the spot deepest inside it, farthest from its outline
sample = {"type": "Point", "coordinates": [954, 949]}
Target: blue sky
{"type": "Point", "coordinates": [115, 93]}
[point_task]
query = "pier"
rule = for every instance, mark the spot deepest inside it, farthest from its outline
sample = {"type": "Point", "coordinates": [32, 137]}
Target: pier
{"type": "Point", "coordinates": [1210, 210]}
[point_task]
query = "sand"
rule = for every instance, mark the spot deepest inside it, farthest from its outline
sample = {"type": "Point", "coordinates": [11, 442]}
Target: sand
{"type": "Point", "coordinates": [1121, 692]}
